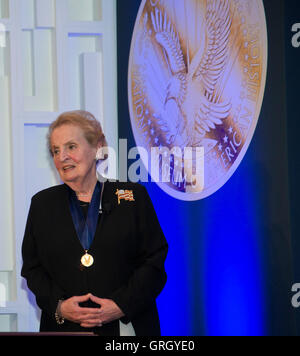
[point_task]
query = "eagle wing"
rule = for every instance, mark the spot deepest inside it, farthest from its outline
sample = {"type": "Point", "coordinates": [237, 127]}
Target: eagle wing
{"type": "Point", "coordinates": [213, 62]}
{"type": "Point", "coordinates": [170, 119]}
{"type": "Point", "coordinates": [169, 40]}
{"type": "Point", "coordinates": [211, 111]}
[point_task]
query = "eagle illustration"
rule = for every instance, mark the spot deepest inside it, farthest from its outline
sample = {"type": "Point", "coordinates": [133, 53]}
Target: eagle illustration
{"type": "Point", "coordinates": [193, 87]}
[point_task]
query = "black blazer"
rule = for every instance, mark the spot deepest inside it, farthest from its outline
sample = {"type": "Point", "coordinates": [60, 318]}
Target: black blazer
{"type": "Point", "coordinates": [129, 250]}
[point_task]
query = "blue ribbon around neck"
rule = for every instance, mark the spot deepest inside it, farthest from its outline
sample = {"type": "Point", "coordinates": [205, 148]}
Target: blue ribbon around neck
{"type": "Point", "coordinates": [85, 227]}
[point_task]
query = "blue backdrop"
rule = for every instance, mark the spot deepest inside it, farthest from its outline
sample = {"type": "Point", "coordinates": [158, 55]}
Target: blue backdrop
{"type": "Point", "coordinates": [231, 264]}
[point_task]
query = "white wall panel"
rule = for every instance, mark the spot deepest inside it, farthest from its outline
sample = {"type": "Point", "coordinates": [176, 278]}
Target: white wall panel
{"type": "Point", "coordinates": [93, 84]}
{"type": "Point", "coordinates": [44, 73]}
{"type": "Point", "coordinates": [8, 322]}
{"type": "Point", "coordinates": [6, 189]}
{"type": "Point", "coordinates": [7, 288]}
{"type": "Point", "coordinates": [27, 14]}
{"type": "Point", "coordinates": [57, 55]}
{"type": "Point", "coordinates": [5, 57]}
{"type": "Point", "coordinates": [39, 70]}
{"type": "Point", "coordinates": [85, 10]}
{"type": "Point", "coordinates": [2, 35]}
{"type": "Point", "coordinates": [4, 9]}
{"type": "Point", "coordinates": [78, 45]}
{"type": "Point", "coordinates": [45, 13]}
{"type": "Point", "coordinates": [38, 55]}
{"type": "Point", "coordinates": [28, 63]}
{"type": "Point", "coordinates": [38, 160]}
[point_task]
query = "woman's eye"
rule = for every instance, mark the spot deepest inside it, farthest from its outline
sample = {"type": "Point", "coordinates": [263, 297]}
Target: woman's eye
{"type": "Point", "coordinates": [72, 147]}
{"type": "Point", "coordinates": [55, 152]}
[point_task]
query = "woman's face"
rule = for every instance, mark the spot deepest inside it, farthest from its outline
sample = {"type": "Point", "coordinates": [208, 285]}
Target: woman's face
{"type": "Point", "coordinates": [73, 156]}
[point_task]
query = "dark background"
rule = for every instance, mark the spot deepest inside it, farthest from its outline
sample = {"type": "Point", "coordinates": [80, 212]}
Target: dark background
{"type": "Point", "coordinates": [272, 167]}
{"type": "Point", "coordinates": [292, 81]}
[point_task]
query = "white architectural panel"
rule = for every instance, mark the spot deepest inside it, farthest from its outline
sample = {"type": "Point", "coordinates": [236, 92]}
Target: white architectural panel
{"type": "Point", "coordinates": [27, 14]}
{"type": "Point", "coordinates": [93, 84]}
{"type": "Point", "coordinates": [38, 160]}
{"type": "Point", "coordinates": [4, 9]}
{"type": "Point", "coordinates": [78, 45]}
{"type": "Point", "coordinates": [40, 64]}
{"type": "Point", "coordinates": [6, 189]}
{"type": "Point", "coordinates": [85, 10]}
{"type": "Point", "coordinates": [57, 55]}
{"type": "Point", "coordinates": [45, 13]}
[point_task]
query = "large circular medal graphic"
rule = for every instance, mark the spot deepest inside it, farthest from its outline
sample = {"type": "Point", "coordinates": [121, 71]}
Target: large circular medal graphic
{"type": "Point", "coordinates": [197, 73]}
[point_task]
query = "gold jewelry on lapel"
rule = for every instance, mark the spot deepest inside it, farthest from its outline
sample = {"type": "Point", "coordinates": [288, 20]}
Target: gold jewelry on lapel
{"type": "Point", "coordinates": [125, 195]}
{"type": "Point", "coordinates": [87, 260]}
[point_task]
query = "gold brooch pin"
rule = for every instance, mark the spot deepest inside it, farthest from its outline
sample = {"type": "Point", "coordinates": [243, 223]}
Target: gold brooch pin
{"type": "Point", "coordinates": [124, 195]}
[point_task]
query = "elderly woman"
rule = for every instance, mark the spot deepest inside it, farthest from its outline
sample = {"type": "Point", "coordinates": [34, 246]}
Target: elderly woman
{"type": "Point", "coordinates": [93, 253]}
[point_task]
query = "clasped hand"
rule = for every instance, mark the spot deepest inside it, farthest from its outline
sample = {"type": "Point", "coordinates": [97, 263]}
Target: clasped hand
{"type": "Point", "coordinates": [90, 317]}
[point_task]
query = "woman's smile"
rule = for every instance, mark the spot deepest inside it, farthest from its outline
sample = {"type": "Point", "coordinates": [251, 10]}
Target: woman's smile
{"type": "Point", "coordinates": [68, 168]}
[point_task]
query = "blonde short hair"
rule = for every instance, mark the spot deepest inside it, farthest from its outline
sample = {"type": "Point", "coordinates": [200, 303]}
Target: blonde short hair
{"type": "Point", "coordinates": [86, 121]}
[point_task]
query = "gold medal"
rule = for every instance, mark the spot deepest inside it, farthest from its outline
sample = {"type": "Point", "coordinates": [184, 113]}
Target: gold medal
{"type": "Point", "coordinates": [87, 260]}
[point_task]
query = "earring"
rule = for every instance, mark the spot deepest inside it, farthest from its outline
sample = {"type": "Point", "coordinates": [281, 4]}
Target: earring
{"type": "Point", "coordinates": [98, 155]}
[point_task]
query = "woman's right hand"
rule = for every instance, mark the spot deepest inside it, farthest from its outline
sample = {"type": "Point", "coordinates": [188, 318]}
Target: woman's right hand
{"type": "Point", "coordinates": [71, 311]}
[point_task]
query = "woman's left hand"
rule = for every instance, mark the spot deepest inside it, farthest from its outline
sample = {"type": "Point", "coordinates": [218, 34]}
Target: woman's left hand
{"type": "Point", "coordinates": [109, 311]}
